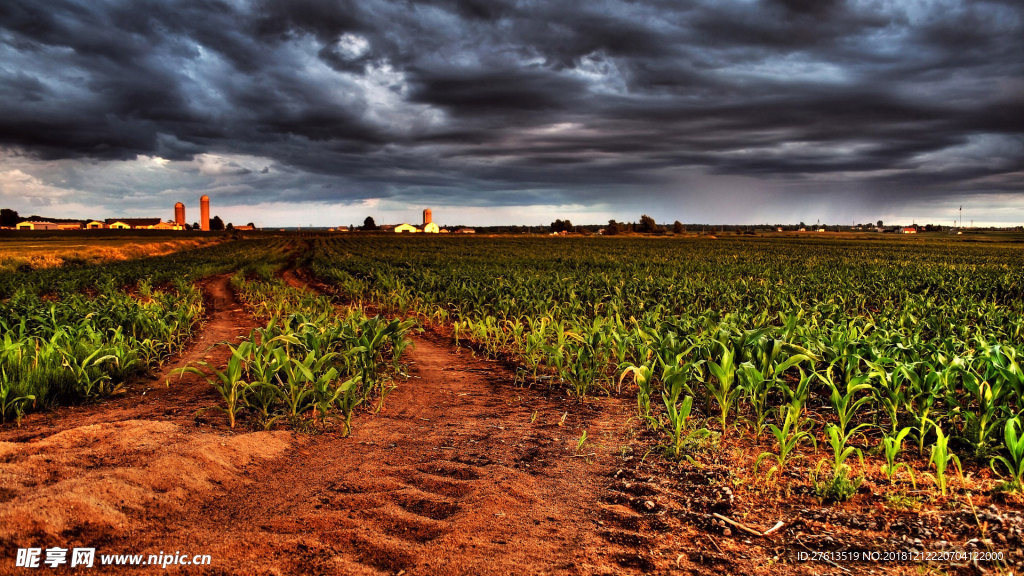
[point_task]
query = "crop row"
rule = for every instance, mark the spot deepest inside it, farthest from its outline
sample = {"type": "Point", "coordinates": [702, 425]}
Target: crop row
{"type": "Point", "coordinates": [311, 358]}
{"type": "Point", "coordinates": [862, 345]}
{"type": "Point", "coordinates": [93, 327]}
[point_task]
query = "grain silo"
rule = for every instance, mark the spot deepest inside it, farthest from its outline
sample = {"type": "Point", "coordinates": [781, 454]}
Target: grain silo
{"type": "Point", "coordinates": [179, 214]}
{"type": "Point", "coordinates": [204, 213]}
{"type": "Point", "coordinates": [428, 216]}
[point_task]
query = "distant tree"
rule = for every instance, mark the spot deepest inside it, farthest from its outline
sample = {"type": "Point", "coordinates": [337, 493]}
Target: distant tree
{"type": "Point", "coordinates": [613, 228]}
{"type": "Point", "coordinates": [9, 218]}
{"type": "Point", "coordinates": [561, 226]}
{"type": "Point", "coordinates": [216, 224]}
{"type": "Point", "coordinates": [647, 224]}
{"type": "Point", "coordinates": [230, 226]}
{"type": "Point", "coordinates": [251, 225]}
{"type": "Point", "coordinates": [678, 227]}
{"type": "Point", "coordinates": [369, 224]}
{"type": "Point", "coordinates": [880, 223]}
{"type": "Point", "coordinates": [195, 225]}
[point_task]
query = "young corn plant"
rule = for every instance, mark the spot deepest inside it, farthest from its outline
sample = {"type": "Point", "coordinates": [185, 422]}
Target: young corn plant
{"type": "Point", "coordinates": [229, 383]}
{"type": "Point", "coordinates": [845, 400]}
{"type": "Point", "coordinates": [11, 406]}
{"type": "Point", "coordinates": [344, 397]}
{"type": "Point", "coordinates": [922, 392]}
{"type": "Point", "coordinates": [941, 458]}
{"type": "Point", "coordinates": [982, 411]}
{"type": "Point", "coordinates": [891, 446]}
{"type": "Point", "coordinates": [839, 486]}
{"type": "Point", "coordinates": [794, 431]}
{"type": "Point", "coordinates": [760, 379]}
{"type": "Point", "coordinates": [889, 394]}
{"type": "Point", "coordinates": [756, 389]}
{"type": "Point", "coordinates": [681, 437]}
{"type": "Point", "coordinates": [642, 377]}
{"type": "Point", "coordinates": [1013, 463]}
{"type": "Point", "coordinates": [722, 387]}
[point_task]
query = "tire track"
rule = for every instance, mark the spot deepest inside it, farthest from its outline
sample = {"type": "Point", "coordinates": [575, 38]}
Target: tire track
{"type": "Point", "coordinates": [461, 473]}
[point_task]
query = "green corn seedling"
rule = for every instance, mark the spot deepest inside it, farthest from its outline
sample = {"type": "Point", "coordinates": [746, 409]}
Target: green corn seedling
{"type": "Point", "coordinates": [891, 446]}
{"type": "Point", "coordinates": [1013, 462]}
{"type": "Point", "coordinates": [941, 458]}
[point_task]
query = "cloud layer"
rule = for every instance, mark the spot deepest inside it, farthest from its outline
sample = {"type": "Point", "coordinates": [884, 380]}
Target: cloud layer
{"type": "Point", "coordinates": [740, 107]}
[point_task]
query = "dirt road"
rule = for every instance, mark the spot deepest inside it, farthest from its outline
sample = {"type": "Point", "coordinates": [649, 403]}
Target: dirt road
{"type": "Point", "coordinates": [461, 473]}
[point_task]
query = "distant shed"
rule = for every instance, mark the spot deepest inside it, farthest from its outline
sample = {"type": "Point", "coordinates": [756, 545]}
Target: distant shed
{"type": "Point", "coordinates": [38, 225]}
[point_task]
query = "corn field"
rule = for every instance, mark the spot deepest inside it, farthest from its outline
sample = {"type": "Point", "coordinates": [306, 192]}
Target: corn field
{"type": "Point", "coordinates": [885, 347]}
{"type": "Point", "coordinates": [899, 353]}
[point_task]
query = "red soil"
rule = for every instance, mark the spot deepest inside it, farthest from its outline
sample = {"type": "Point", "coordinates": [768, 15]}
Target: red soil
{"type": "Point", "coordinates": [461, 473]}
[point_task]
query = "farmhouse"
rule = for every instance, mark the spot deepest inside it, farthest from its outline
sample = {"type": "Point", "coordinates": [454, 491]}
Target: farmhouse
{"type": "Point", "coordinates": [28, 225]}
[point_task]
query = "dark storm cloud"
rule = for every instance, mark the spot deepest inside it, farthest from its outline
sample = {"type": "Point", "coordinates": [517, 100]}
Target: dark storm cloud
{"type": "Point", "coordinates": [584, 101]}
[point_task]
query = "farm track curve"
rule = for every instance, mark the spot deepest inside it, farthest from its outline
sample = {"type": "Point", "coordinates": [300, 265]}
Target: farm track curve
{"type": "Point", "coordinates": [461, 473]}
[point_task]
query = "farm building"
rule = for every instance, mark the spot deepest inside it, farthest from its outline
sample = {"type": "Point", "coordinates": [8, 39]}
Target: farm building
{"type": "Point", "coordinates": [95, 225]}
{"type": "Point", "coordinates": [70, 226]}
{"type": "Point", "coordinates": [466, 231]}
{"type": "Point", "coordinates": [132, 223]}
{"type": "Point", "coordinates": [167, 226]}
{"type": "Point", "coordinates": [406, 228]}
{"type": "Point", "coordinates": [27, 225]}
{"type": "Point", "coordinates": [431, 228]}
{"type": "Point", "coordinates": [910, 230]}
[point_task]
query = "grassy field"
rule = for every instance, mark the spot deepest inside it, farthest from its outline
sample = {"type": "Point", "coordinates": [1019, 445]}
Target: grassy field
{"type": "Point", "coordinates": [30, 250]}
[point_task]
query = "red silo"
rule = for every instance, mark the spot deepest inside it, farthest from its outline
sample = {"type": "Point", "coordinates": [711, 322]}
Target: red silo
{"type": "Point", "coordinates": [204, 213]}
{"type": "Point", "coordinates": [179, 214]}
{"type": "Point", "coordinates": [428, 216]}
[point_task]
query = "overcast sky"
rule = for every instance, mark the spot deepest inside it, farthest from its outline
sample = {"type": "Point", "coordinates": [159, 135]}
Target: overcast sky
{"type": "Point", "coordinates": [296, 112]}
